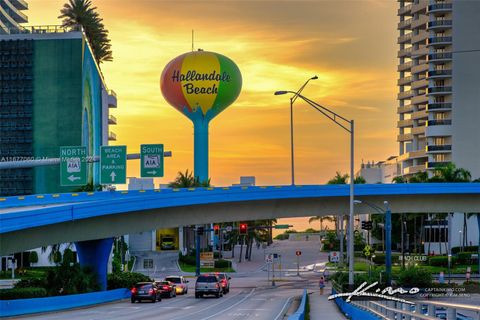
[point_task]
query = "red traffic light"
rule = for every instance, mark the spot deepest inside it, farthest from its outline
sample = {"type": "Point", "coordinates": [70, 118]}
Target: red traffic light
{"type": "Point", "coordinates": [216, 229]}
{"type": "Point", "coordinates": [243, 228]}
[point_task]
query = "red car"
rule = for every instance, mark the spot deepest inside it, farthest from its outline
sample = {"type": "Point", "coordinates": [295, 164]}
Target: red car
{"type": "Point", "coordinates": [167, 289]}
{"type": "Point", "coordinates": [224, 281]}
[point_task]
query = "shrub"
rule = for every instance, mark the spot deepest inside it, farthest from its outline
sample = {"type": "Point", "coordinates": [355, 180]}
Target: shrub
{"type": "Point", "coordinates": [33, 257]}
{"type": "Point", "coordinates": [66, 279]}
{"type": "Point", "coordinates": [125, 280]}
{"type": "Point", "coordinates": [69, 256]}
{"type": "Point", "coordinates": [465, 258]}
{"type": "Point", "coordinates": [222, 263]}
{"type": "Point", "coordinates": [57, 257]}
{"type": "Point", "coordinates": [22, 293]}
{"type": "Point", "coordinates": [440, 261]}
{"type": "Point", "coordinates": [32, 283]}
{"type": "Point", "coordinates": [187, 259]}
{"type": "Point", "coordinates": [415, 277]}
{"type": "Point", "coordinates": [456, 250]}
{"type": "Point", "coordinates": [380, 258]}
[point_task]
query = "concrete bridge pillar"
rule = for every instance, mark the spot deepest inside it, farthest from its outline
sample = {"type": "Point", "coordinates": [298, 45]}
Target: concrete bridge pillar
{"type": "Point", "coordinates": [95, 254]}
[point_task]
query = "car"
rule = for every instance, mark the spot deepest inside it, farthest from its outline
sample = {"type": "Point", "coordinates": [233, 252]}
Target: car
{"type": "Point", "coordinates": [224, 281]}
{"type": "Point", "coordinates": [168, 243]}
{"type": "Point", "coordinates": [145, 291]}
{"type": "Point", "coordinates": [180, 282]}
{"type": "Point", "coordinates": [208, 284]}
{"type": "Point", "coordinates": [167, 288]}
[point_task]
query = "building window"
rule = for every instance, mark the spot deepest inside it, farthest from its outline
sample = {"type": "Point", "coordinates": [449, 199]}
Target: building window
{"type": "Point", "coordinates": [148, 264]}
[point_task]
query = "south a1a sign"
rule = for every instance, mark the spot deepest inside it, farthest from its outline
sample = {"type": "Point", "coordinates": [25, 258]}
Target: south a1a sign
{"type": "Point", "coordinates": [151, 160]}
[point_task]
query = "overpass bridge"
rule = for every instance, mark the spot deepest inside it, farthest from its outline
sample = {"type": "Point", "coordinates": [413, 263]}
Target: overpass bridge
{"type": "Point", "coordinates": [31, 221]}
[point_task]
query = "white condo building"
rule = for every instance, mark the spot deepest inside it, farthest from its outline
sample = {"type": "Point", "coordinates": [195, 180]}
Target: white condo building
{"type": "Point", "coordinates": [439, 85]}
{"type": "Point", "coordinates": [11, 15]}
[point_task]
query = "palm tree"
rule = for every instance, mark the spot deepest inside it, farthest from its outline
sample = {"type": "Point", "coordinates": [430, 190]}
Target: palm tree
{"type": "Point", "coordinates": [81, 12]}
{"type": "Point", "coordinates": [187, 180]}
{"type": "Point", "coordinates": [321, 219]}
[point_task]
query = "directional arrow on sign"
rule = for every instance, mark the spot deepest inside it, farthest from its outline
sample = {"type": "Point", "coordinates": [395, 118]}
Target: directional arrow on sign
{"type": "Point", "coordinates": [113, 175]}
{"type": "Point", "coordinates": [152, 172]}
{"type": "Point", "coordinates": [73, 178]}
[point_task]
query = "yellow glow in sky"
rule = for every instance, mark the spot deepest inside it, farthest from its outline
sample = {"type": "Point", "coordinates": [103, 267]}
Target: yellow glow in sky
{"type": "Point", "coordinates": [278, 45]}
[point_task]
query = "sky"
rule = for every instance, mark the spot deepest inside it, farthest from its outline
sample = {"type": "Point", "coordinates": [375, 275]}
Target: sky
{"type": "Point", "coordinates": [278, 45]}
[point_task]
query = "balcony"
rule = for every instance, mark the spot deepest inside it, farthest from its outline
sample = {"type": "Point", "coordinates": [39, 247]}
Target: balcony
{"type": "Point", "coordinates": [404, 24]}
{"type": "Point", "coordinates": [414, 169]}
{"type": "Point", "coordinates": [418, 130]}
{"type": "Point", "coordinates": [405, 123]}
{"type": "Point", "coordinates": [405, 137]}
{"type": "Point", "coordinates": [405, 52]}
{"type": "Point", "coordinates": [440, 24]}
{"type": "Point", "coordinates": [434, 165]}
{"type": "Point", "coordinates": [423, 83]}
{"type": "Point", "coordinates": [440, 148]}
{"type": "Point", "coordinates": [441, 122]}
{"type": "Point", "coordinates": [19, 4]}
{"type": "Point", "coordinates": [440, 57]}
{"type": "Point", "coordinates": [420, 99]}
{"type": "Point", "coordinates": [112, 136]}
{"type": "Point", "coordinates": [421, 37]}
{"type": "Point", "coordinates": [112, 99]}
{"type": "Point", "coordinates": [420, 22]}
{"type": "Point", "coordinates": [405, 109]}
{"type": "Point", "coordinates": [405, 10]}
{"type": "Point", "coordinates": [405, 66]}
{"type": "Point", "coordinates": [405, 38]}
{"type": "Point", "coordinates": [439, 106]}
{"type": "Point", "coordinates": [420, 52]}
{"type": "Point", "coordinates": [419, 115]}
{"type": "Point", "coordinates": [420, 7]}
{"type": "Point", "coordinates": [439, 74]}
{"type": "Point", "coordinates": [439, 90]}
{"type": "Point", "coordinates": [439, 40]}
{"type": "Point", "coordinates": [405, 80]}
{"type": "Point", "coordinates": [112, 120]}
{"type": "Point", "coordinates": [14, 13]}
{"type": "Point", "coordinates": [405, 95]}
{"type": "Point", "coordinates": [440, 8]}
{"type": "Point", "coordinates": [419, 68]}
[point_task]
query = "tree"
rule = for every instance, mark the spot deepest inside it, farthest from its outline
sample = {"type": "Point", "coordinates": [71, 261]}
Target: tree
{"type": "Point", "coordinates": [321, 219]}
{"type": "Point", "coordinates": [339, 179]}
{"type": "Point", "coordinates": [81, 12]}
{"type": "Point", "coordinates": [187, 180]}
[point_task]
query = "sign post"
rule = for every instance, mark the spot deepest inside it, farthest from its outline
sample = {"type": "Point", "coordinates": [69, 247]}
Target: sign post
{"type": "Point", "coordinates": [151, 160]}
{"type": "Point", "coordinates": [73, 166]}
{"type": "Point", "coordinates": [113, 164]}
{"type": "Point", "coordinates": [298, 253]}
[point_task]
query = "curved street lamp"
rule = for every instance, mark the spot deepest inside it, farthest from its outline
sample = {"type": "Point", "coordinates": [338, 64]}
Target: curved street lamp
{"type": "Point", "coordinates": [292, 100]}
{"type": "Point", "coordinates": [347, 125]}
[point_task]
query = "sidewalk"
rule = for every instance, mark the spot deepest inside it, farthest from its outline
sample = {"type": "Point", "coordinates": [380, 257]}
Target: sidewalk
{"type": "Point", "coordinates": [321, 308]}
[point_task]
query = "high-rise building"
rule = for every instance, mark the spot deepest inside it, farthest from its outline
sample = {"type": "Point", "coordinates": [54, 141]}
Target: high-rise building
{"type": "Point", "coordinates": [52, 94]}
{"type": "Point", "coordinates": [11, 15]}
{"type": "Point", "coordinates": [439, 81]}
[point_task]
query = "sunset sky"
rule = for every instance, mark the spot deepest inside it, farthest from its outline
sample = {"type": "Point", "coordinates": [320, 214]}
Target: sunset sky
{"type": "Point", "coordinates": [278, 45]}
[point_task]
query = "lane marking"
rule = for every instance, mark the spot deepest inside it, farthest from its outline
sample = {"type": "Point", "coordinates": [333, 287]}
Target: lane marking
{"type": "Point", "coordinates": [233, 305]}
{"type": "Point", "coordinates": [213, 305]}
{"type": "Point", "coordinates": [282, 311]}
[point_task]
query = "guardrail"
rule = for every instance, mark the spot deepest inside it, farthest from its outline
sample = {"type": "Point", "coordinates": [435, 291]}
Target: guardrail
{"type": "Point", "coordinates": [300, 313]}
{"type": "Point", "coordinates": [28, 306]}
{"type": "Point", "coordinates": [425, 310]}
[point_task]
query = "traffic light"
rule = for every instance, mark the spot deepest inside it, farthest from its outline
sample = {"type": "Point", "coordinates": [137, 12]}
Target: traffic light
{"type": "Point", "coordinates": [364, 225]}
{"type": "Point", "coordinates": [243, 228]}
{"type": "Point", "coordinates": [216, 229]}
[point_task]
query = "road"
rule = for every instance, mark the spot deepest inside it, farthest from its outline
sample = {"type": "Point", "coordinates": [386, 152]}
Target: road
{"type": "Point", "coordinates": [258, 304]}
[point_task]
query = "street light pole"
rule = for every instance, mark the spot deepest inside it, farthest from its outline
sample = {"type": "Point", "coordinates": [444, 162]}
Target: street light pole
{"type": "Point", "coordinates": [347, 125]}
{"type": "Point", "coordinates": [292, 100]}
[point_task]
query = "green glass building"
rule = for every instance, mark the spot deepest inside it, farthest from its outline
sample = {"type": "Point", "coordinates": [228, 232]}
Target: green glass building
{"type": "Point", "coordinates": [52, 94]}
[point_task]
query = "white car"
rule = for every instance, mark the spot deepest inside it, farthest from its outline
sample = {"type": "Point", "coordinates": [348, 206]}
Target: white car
{"type": "Point", "coordinates": [181, 283]}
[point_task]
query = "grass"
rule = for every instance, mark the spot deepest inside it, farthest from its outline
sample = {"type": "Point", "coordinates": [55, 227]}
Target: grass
{"type": "Point", "coordinates": [38, 272]}
{"type": "Point", "coordinates": [190, 268]}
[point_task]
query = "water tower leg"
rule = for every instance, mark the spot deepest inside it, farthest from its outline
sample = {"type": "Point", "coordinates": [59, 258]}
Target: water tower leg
{"type": "Point", "coordinates": [201, 150]}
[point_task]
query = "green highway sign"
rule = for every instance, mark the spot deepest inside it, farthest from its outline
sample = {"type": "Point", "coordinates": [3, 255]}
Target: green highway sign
{"type": "Point", "coordinates": [113, 164]}
{"type": "Point", "coordinates": [73, 166]}
{"type": "Point", "coordinates": [282, 226]}
{"type": "Point", "coordinates": [151, 160]}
